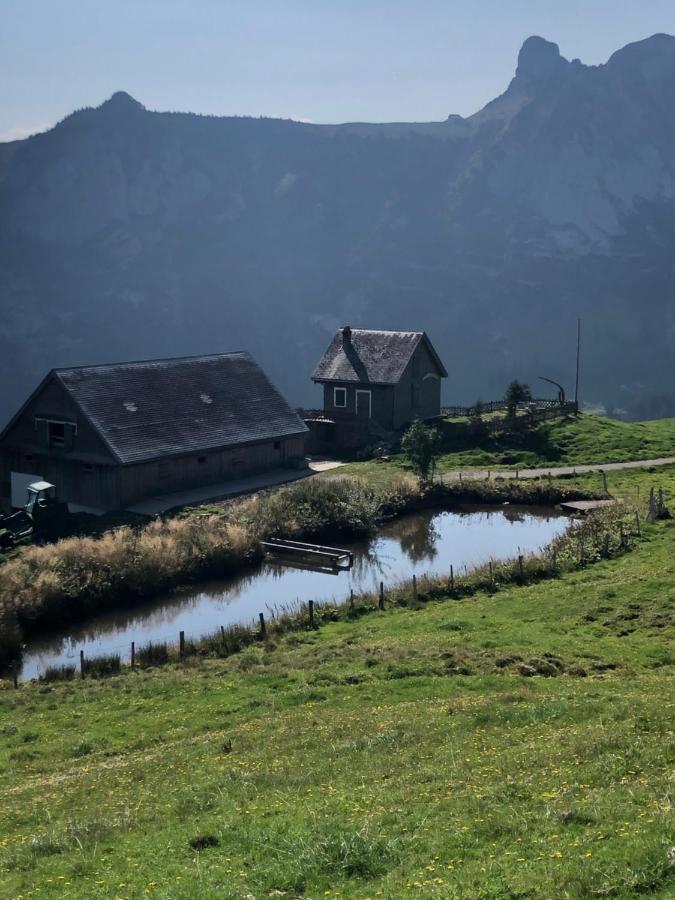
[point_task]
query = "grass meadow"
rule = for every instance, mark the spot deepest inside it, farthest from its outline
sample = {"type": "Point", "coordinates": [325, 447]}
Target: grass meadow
{"type": "Point", "coordinates": [514, 744]}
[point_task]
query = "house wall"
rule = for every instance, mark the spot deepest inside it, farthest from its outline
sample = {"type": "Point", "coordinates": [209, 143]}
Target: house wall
{"type": "Point", "coordinates": [382, 401]}
{"type": "Point", "coordinates": [418, 393]}
{"type": "Point", "coordinates": [181, 473]}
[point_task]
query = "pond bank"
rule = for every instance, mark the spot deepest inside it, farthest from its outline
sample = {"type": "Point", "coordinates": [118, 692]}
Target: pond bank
{"type": "Point", "coordinates": [78, 578]}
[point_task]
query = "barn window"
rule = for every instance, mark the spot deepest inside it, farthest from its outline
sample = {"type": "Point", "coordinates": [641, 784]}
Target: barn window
{"type": "Point", "coordinates": [57, 434]}
{"type": "Point", "coordinates": [340, 397]}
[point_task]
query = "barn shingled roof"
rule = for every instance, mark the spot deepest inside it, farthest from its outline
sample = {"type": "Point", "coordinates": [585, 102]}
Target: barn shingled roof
{"type": "Point", "coordinates": [376, 357]}
{"type": "Point", "coordinates": [165, 407]}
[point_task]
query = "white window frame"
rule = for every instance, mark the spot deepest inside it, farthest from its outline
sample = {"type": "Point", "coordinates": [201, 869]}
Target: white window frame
{"type": "Point", "coordinates": [335, 398]}
{"type": "Point", "coordinates": [370, 403]}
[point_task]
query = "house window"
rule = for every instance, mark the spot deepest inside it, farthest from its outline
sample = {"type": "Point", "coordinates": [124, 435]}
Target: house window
{"type": "Point", "coordinates": [340, 398]}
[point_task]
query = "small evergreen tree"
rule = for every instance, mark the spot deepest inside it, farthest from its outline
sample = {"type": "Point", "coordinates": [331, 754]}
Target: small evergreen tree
{"type": "Point", "coordinates": [421, 445]}
{"type": "Point", "coordinates": [516, 393]}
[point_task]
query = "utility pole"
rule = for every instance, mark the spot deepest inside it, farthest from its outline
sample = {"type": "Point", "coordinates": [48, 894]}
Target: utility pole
{"type": "Point", "coordinates": [576, 383]}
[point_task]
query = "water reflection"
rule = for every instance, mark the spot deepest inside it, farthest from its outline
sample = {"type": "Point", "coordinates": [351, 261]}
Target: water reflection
{"type": "Point", "coordinates": [424, 543]}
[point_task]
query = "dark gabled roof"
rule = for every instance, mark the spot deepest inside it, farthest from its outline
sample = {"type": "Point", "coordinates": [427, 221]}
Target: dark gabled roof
{"type": "Point", "coordinates": [376, 357]}
{"type": "Point", "coordinates": [166, 407]}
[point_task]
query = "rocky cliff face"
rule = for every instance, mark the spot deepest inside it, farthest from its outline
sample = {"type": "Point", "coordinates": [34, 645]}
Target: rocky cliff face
{"type": "Point", "coordinates": [127, 234]}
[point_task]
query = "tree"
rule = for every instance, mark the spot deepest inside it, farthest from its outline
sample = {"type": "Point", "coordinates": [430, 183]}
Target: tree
{"type": "Point", "coordinates": [421, 445]}
{"type": "Point", "coordinates": [516, 393]}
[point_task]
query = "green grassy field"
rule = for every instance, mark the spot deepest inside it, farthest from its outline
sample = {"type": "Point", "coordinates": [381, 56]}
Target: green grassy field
{"type": "Point", "coordinates": [400, 755]}
{"type": "Point", "coordinates": [573, 440]}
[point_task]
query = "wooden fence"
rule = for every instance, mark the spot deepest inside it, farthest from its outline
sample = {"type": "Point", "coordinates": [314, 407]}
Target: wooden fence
{"type": "Point", "coordinates": [535, 410]}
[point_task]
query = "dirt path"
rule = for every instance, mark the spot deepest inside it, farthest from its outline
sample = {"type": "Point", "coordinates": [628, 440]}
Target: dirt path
{"type": "Point", "coordinates": [554, 471]}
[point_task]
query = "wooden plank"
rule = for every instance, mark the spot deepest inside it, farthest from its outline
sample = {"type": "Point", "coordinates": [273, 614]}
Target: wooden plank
{"type": "Point", "coordinates": [584, 506]}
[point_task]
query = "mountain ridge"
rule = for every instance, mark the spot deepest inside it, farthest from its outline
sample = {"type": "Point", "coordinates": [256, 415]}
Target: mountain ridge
{"type": "Point", "coordinates": [128, 232]}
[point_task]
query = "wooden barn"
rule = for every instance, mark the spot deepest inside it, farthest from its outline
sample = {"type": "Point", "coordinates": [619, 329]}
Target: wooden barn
{"type": "Point", "coordinates": [381, 380]}
{"type": "Point", "coordinates": [109, 436]}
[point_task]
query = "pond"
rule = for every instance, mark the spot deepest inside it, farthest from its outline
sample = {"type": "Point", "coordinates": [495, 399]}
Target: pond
{"type": "Point", "coordinates": [426, 542]}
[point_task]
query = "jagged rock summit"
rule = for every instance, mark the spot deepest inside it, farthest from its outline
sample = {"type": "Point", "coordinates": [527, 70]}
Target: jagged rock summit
{"type": "Point", "coordinates": [540, 60]}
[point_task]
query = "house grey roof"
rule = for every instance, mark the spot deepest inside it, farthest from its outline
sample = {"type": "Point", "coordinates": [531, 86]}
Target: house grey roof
{"type": "Point", "coordinates": [377, 357]}
{"type": "Point", "coordinates": [147, 410]}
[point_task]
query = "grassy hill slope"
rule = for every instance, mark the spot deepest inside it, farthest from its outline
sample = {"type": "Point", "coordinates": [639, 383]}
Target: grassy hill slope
{"type": "Point", "coordinates": [400, 755]}
{"type": "Point", "coordinates": [569, 441]}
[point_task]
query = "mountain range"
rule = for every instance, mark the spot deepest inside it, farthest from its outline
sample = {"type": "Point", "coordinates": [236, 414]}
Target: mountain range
{"type": "Point", "coordinates": [132, 234]}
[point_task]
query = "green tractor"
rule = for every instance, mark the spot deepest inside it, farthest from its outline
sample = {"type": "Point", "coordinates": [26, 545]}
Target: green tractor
{"type": "Point", "coordinates": [42, 513]}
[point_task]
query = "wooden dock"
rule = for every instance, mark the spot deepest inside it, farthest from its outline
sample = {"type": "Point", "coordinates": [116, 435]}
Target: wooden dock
{"type": "Point", "coordinates": [307, 555]}
{"type": "Point", "coordinates": [585, 506]}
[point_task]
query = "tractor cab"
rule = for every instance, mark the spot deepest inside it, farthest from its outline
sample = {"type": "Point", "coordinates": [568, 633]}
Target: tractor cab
{"type": "Point", "coordinates": [40, 495]}
{"type": "Point", "coordinates": [43, 506]}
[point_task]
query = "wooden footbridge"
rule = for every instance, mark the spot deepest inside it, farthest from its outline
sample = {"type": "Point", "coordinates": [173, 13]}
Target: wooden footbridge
{"type": "Point", "coordinates": [309, 556]}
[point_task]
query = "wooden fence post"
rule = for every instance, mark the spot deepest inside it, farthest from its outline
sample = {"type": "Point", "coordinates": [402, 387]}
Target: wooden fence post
{"type": "Point", "coordinates": [492, 578]}
{"type": "Point", "coordinates": [81, 663]}
{"type": "Point", "coordinates": [222, 636]}
{"type": "Point", "coordinates": [133, 654]}
{"type": "Point", "coordinates": [414, 584]}
{"type": "Point", "coordinates": [452, 577]}
{"type": "Point", "coordinates": [181, 644]}
{"type": "Point", "coordinates": [521, 571]}
{"type": "Point", "coordinates": [311, 613]}
{"type": "Point", "coordinates": [15, 676]}
{"type": "Point", "coordinates": [351, 598]}
{"type": "Point", "coordinates": [263, 627]}
{"type": "Point", "coordinates": [604, 481]}
{"type": "Point", "coordinates": [554, 558]}
{"type": "Point", "coordinates": [637, 522]}
{"type": "Point", "coordinates": [381, 603]}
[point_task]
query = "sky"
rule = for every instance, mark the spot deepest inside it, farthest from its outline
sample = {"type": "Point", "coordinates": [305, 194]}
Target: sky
{"type": "Point", "coordinates": [314, 60]}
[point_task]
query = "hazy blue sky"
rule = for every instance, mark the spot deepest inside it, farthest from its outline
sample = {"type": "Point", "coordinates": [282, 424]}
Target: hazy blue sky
{"type": "Point", "coordinates": [323, 60]}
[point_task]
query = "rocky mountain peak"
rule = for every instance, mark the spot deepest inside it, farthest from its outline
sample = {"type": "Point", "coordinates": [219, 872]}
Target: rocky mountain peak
{"type": "Point", "coordinates": [539, 60]}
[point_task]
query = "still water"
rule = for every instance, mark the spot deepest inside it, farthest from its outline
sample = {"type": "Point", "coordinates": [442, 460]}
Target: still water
{"type": "Point", "coordinates": [427, 542]}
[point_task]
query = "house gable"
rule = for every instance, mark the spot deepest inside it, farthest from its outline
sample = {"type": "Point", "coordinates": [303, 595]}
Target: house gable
{"type": "Point", "coordinates": [51, 422]}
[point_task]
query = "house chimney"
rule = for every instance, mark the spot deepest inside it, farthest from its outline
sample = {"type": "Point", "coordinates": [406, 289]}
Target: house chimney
{"type": "Point", "coordinates": [346, 336]}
